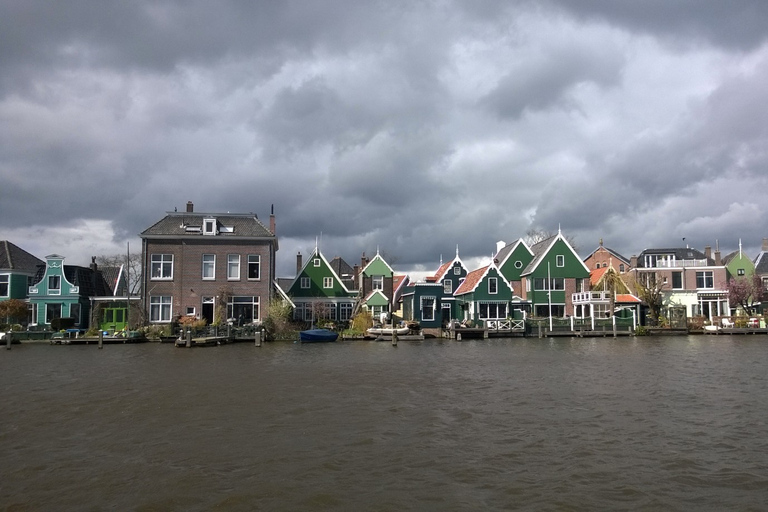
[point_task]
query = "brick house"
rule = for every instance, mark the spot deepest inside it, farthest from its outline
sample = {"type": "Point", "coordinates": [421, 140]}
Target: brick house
{"type": "Point", "coordinates": [216, 266]}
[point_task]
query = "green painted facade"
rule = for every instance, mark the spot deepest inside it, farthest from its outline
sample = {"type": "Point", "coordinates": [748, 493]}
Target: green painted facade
{"type": "Point", "coordinates": [55, 297]}
{"type": "Point", "coordinates": [557, 262]}
{"type": "Point", "coordinates": [377, 267]}
{"type": "Point", "coordinates": [740, 266]}
{"type": "Point", "coordinates": [515, 263]}
{"type": "Point", "coordinates": [14, 285]}
{"type": "Point", "coordinates": [317, 292]}
{"type": "Point", "coordinates": [475, 301]}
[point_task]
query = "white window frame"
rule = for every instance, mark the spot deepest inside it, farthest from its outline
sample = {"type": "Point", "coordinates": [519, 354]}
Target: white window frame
{"type": "Point", "coordinates": [48, 317]}
{"type": "Point", "coordinates": [254, 259]}
{"type": "Point", "coordinates": [160, 308]}
{"type": "Point", "coordinates": [421, 308]}
{"type": "Point", "coordinates": [493, 290]}
{"type": "Point", "coordinates": [159, 263]}
{"type": "Point", "coordinates": [560, 260]}
{"type": "Point", "coordinates": [209, 265]}
{"type": "Point", "coordinates": [345, 311]}
{"type": "Point", "coordinates": [54, 285]}
{"type": "Point", "coordinates": [327, 283]}
{"type": "Point", "coordinates": [5, 282]}
{"type": "Point", "coordinates": [305, 283]}
{"type": "Point", "coordinates": [233, 267]}
{"type": "Point", "coordinates": [448, 286]}
{"type": "Point", "coordinates": [457, 270]}
{"type": "Point", "coordinates": [377, 282]}
{"type": "Point", "coordinates": [190, 311]}
{"type": "Point", "coordinates": [708, 277]}
{"type": "Point", "coordinates": [209, 223]}
{"type": "Point", "coordinates": [316, 262]}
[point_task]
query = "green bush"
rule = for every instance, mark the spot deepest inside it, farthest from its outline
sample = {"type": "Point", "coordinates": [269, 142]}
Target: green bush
{"type": "Point", "coordinates": [59, 324]}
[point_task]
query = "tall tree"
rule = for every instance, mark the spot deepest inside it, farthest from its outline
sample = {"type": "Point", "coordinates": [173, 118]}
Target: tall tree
{"type": "Point", "coordinates": [132, 264]}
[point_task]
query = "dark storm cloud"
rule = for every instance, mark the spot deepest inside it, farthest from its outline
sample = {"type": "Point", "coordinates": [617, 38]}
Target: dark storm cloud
{"type": "Point", "coordinates": [410, 126]}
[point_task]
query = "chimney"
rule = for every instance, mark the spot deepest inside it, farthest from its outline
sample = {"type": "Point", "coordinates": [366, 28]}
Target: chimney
{"type": "Point", "coordinates": [298, 263]}
{"type": "Point", "coordinates": [633, 261]}
{"type": "Point", "coordinates": [356, 273]}
{"type": "Point", "coordinates": [363, 261]}
{"type": "Point", "coordinates": [708, 252]}
{"type": "Point", "coordinates": [272, 220]}
{"type": "Point", "coordinates": [765, 244]}
{"type": "Point", "coordinates": [94, 267]}
{"type": "Point", "coordinates": [718, 260]}
{"type": "Point", "coordinates": [190, 207]}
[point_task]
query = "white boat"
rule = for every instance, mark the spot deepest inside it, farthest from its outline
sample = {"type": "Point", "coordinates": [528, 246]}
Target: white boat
{"type": "Point", "coordinates": [387, 331]}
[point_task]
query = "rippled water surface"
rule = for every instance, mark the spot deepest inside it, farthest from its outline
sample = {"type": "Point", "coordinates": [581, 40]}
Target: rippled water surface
{"type": "Point", "coordinates": [555, 424]}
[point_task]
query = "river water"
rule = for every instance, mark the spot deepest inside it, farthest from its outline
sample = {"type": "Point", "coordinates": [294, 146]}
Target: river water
{"type": "Point", "coordinates": [676, 423]}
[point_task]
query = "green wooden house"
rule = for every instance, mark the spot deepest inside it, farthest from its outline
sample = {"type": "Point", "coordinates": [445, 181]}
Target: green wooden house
{"type": "Point", "coordinates": [17, 271]}
{"type": "Point", "coordinates": [738, 264]}
{"type": "Point", "coordinates": [512, 260]}
{"type": "Point", "coordinates": [318, 293]}
{"type": "Point", "coordinates": [485, 294]}
{"type": "Point", "coordinates": [65, 291]}
{"type": "Point", "coordinates": [376, 287]}
{"type": "Point", "coordinates": [554, 274]}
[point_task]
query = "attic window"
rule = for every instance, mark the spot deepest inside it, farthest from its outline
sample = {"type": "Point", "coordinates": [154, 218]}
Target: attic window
{"type": "Point", "coordinates": [518, 264]}
{"type": "Point", "coordinates": [209, 226]}
{"type": "Point", "coordinates": [316, 262]}
{"type": "Point", "coordinates": [192, 229]}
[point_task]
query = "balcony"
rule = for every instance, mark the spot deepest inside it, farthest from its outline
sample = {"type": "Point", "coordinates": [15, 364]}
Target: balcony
{"type": "Point", "coordinates": [679, 264]}
{"type": "Point", "coordinates": [594, 297]}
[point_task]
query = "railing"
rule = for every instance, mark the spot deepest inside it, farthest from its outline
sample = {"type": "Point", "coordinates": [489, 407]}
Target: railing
{"type": "Point", "coordinates": [680, 263]}
{"type": "Point", "coordinates": [591, 297]}
{"type": "Point", "coordinates": [505, 325]}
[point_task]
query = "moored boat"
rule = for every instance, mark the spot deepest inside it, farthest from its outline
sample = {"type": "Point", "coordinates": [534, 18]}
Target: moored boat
{"type": "Point", "coordinates": [387, 331]}
{"type": "Point", "coordinates": [317, 335]}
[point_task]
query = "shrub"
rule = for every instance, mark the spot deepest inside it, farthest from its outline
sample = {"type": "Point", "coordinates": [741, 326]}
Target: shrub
{"type": "Point", "coordinates": [59, 324]}
{"type": "Point", "coordinates": [361, 322]}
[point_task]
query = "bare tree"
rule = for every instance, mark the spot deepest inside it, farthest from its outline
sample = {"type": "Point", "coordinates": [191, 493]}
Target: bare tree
{"type": "Point", "coordinates": [649, 288]}
{"type": "Point", "coordinates": [132, 264]}
{"type": "Point", "coordinates": [536, 235]}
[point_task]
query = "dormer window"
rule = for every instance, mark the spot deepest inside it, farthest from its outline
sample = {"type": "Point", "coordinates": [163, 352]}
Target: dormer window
{"type": "Point", "coordinates": [209, 226]}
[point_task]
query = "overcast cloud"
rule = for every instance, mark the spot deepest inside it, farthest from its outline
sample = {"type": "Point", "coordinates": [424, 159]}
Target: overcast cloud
{"type": "Point", "coordinates": [409, 126]}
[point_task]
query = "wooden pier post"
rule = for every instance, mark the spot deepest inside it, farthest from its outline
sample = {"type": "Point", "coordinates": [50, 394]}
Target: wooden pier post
{"type": "Point", "coordinates": [189, 338]}
{"type": "Point", "coordinates": [8, 340]}
{"type": "Point", "coordinates": [394, 337]}
{"type": "Point", "coordinates": [258, 337]}
{"type": "Point", "coordinates": [101, 338]}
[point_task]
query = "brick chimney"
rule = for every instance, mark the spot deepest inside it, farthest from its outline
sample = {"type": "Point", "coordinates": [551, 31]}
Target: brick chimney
{"type": "Point", "coordinates": [718, 259]}
{"type": "Point", "coordinates": [94, 267]}
{"type": "Point", "coordinates": [633, 261]}
{"type": "Point", "coordinates": [708, 252]}
{"type": "Point", "coordinates": [363, 261]}
{"type": "Point", "coordinates": [190, 207]}
{"type": "Point", "coordinates": [272, 220]}
{"type": "Point", "coordinates": [298, 263]}
{"type": "Point", "coordinates": [765, 244]}
{"type": "Point", "coordinates": [356, 274]}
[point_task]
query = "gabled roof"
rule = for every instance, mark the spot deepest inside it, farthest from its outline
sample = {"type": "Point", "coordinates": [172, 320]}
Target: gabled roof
{"type": "Point", "coordinates": [91, 283]}
{"type": "Point", "coordinates": [476, 277]}
{"type": "Point", "coordinates": [399, 283]}
{"type": "Point", "coordinates": [501, 257]}
{"type": "Point", "coordinates": [440, 274]}
{"type": "Point", "coordinates": [376, 260]}
{"type": "Point", "coordinates": [761, 263]}
{"type": "Point", "coordinates": [541, 249]}
{"type": "Point", "coordinates": [375, 293]}
{"type": "Point", "coordinates": [596, 275]}
{"type": "Point", "coordinates": [238, 225]}
{"type": "Point", "coordinates": [627, 298]}
{"type": "Point", "coordinates": [610, 251]}
{"type": "Point", "coordinates": [344, 271]}
{"type": "Point", "coordinates": [317, 254]}
{"type": "Point", "coordinates": [13, 257]}
{"type": "Point", "coordinates": [281, 291]}
{"type": "Point", "coordinates": [115, 279]}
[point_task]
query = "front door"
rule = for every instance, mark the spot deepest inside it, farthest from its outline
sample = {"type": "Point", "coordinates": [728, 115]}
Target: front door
{"type": "Point", "coordinates": [207, 309]}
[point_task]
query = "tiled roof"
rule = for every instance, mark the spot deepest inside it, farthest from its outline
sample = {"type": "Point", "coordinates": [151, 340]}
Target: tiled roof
{"type": "Point", "coordinates": [611, 251]}
{"type": "Point", "coordinates": [178, 224]}
{"type": "Point", "coordinates": [596, 275]}
{"type": "Point", "coordinates": [626, 297]}
{"type": "Point", "coordinates": [761, 263]}
{"type": "Point", "coordinates": [471, 281]}
{"type": "Point", "coordinates": [111, 276]}
{"type": "Point", "coordinates": [12, 257]}
{"type": "Point", "coordinates": [539, 250]}
{"type": "Point", "coordinates": [441, 271]}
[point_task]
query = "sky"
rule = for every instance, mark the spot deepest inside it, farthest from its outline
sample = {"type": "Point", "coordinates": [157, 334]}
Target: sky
{"type": "Point", "coordinates": [408, 127]}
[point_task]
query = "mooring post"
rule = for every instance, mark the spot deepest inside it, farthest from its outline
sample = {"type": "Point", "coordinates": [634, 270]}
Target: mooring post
{"type": "Point", "coordinates": [8, 339]}
{"type": "Point", "coordinates": [189, 338]}
{"type": "Point", "coordinates": [101, 338]}
{"type": "Point", "coordinates": [258, 337]}
{"type": "Point", "coordinates": [394, 337]}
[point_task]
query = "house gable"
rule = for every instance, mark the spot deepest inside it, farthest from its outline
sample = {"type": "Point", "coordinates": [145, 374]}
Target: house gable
{"type": "Point", "coordinates": [314, 277]}
{"type": "Point", "coordinates": [513, 259]}
{"type": "Point", "coordinates": [378, 267]}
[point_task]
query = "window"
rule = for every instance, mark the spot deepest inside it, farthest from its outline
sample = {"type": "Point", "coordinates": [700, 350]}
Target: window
{"type": "Point", "coordinates": [740, 272]}
{"type": "Point", "coordinates": [74, 312]}
{"type": "Point", "coordinates": [160, 308]}
{"type": "Point", "coordinates": [32, 320]}
{"type": "Point", "coordinates": [560, 260]}
{"type": "Point", "coordinates": [209, 266]}
{"type": "Point", "coordinates": [556, 283]}
{"type": "Point", "coordinates": [427, 308]}
{"type": "Point", "coordinates": [54, 285]}
{"type": "Point", "coordinates": [190, 311]}
{"type": "Point", "coordinates": [316, 262]}
{"type": "Point", "coordinates": [518, 264]}
{"type": "Point", "coordinates": [597, 265]}
{"type": "Point", "coordinates": [705, 279]}
{"type": "Point", "coordinates": [304, 283]}
{"type": "Point", "coordinates": [243, 309]}
{"type": "Point", "coordinates": [52, 311]}
{"type": "Point", "coordinates": [345, 311]}
{"type": "Point", "coordinates": [5, 280]}
{"type": "Point", "coordinates": [327, 282]}
{"type": "Point", "coordinates": [162, 266]}
{"type": "Point", "coordinates": [677, 280]}
{"type": "Point", "coordinates": [493, 311]}
{"type": "Point", "coordinates": [448, 286]}
{"type": "Point", "coordinates": [209, 227]}
{"type": "Point", "coordinates": [493, 285]}
{"type": "Point", "coordinates": [457, 270]}
{"type": "Point", "coordinates": [378, 282]}
{"type": "Point", "coordinates": [542, 310]}
{"type": "Point", "coordinates": [233, 266]}
{"type": "Point", "coordinates": [621, 267]}
{"type": "Point", "coordinates": [254, 266]}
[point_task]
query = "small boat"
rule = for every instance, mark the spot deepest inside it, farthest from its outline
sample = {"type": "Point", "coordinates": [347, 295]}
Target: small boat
{"type": "Point", "coordinates": [317, 335]}
{"type": "Point", "coordinates": [387, 331]}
